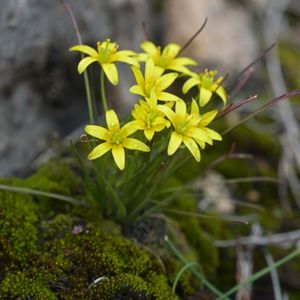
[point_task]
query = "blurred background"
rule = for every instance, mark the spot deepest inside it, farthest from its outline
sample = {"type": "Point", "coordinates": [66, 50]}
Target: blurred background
{"type": "Point", "coordinates": [43, 104]}
{"type": "Point", "coordinates": [42, 96]}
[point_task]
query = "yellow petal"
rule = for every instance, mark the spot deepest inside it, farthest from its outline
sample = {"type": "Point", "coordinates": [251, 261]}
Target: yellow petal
{"type": "Point", "coordinates": [99, 150]}
{"type": "Point", "coordinates": [119, 156]}
{"type": "Point", "coordinates": [194, 108]}
{"type": "Point", "coordinates": [208, 117]}
{"type": "Point", "coordinates": [185, 61]}
{"type": "Point", "coordinates": [134, 144]}
{"type": "Point", "coordinates": [168, 112]}
{"type": "Point", "coordinates": [111, 73]}
{"type": "Point", "coordinates": [150, 72]}
{"type": "Point", "coordinates": [137, 90]}
{"type": "Point", "coordinates": [179, 68]}
{"type": "Point", "coordinates": [97, 131]}
{"type": "Point", "coordinates": [222, 94]}
{"type": "Point", "coordinates": [84, 63]}
{"type": "Point", "coordinates": [129, 128]}
{"type": "Point", "coordinates": [165, 81]}
{"type": "Point", "coordinates": [138, 76]}
{"type": "Point", "coordinates": [199, 134]}
{"type": "Point", "coordinates": [149, 48]}
{"type": "Point", "coordinates": [175, 142]}
{"type": "Point", "coordinates": [86, 50]}
{"type": "Point", "coordinates": [149, 134]}
{"type": "Point", "coordinates": [171, 50]}
{"type": "Point", "coordinates": [213, 134]}
{"type": "Point", "coordinates": [180, 108]}
{"type": "Point", "coordinates": [189, 84]}
{"type": "Point", "coordinates": [112, 120]}
{"type": "Point", "coordinates": [120, 56]}
{"type": "Point", "coordinates": [204, 96]}
{"type": "Point", "coordinates": [192, 146]}
{"type": "Point", "coordinates": [164, 96]}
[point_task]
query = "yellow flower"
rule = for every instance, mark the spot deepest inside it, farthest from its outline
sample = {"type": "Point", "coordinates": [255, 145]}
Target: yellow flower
{"type": "Point", "coordinates": [149, 118]}
{"type": "Point", "coordinates": [115, 139]}
{"type": "Point", "coordinates": [206, 119]}
{"type": "Point", "coordinates": [207, 86]}
{"type": "Point", "coordinates": [167, 58]}
{"type": "Point", "coordinates": [186, 129]}
{"type": "Point", "coordinates": [153, 84]}
{"type": "Point", "coordinates": [107, 53]}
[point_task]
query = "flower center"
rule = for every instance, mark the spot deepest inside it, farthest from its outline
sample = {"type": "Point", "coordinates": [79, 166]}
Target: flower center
{"type": "Point", "coordinates": [116, 138]}
{"type": "Point", "coordinates": [183, 124]}
{"type": "Point", "coordinates": [106, 50]}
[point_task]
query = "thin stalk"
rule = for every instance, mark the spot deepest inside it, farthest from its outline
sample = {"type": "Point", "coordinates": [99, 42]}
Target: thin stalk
{"type": "Point", "coordinates": [85, 74]}
{"type": "Point", "coordinates": [179, 274]}
{"type": "Point", "coordinates": [88, 96]}
{"type": "Point", "coordinates": [263, 107]}
{"type": "Point", "coordinates": [198, 274]}
{"type": "Point", "coordinates": [261, 273]}
{"type": "Point", "coordinates": [29, 191]}
{"type": "Point", "coordinates": [103, 96]}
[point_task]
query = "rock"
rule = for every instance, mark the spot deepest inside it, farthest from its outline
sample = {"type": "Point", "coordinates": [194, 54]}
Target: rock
{"type": "Point", "coordinates": [41, 94]}
{"type": "Point", "coordinates": [227, 41]}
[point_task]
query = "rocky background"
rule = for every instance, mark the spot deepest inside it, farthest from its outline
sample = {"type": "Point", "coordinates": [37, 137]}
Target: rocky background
{"type": "Point", "coordinates": [42, 96]}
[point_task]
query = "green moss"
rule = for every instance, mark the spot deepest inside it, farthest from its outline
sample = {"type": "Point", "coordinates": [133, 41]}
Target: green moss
{"type": "Point", "coordinates": [18, 286]}
{"type": "Point", "coordinates": [52, 250]}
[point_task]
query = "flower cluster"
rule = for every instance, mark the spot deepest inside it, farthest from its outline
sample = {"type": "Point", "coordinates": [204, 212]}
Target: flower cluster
{"type": "Point", "coordinates": [157, 109]}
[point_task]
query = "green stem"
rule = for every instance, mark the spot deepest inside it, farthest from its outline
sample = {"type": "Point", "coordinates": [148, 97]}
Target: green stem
{"type": "Point", "coordinates": [89, 96]}
{"type": "Point", "coordinates": [196, 273]}
{"type": "Point", "coordinates": [103, 97]}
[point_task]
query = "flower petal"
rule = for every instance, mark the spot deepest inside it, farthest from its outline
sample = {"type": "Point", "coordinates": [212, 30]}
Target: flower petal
{"type": "Point", "coordinates": [168, 112]}
{"type": "Point", "coordinates": [180, 108]}
{"type": "Point", "coordinates": [208, 117]}
{"type": "Point", "coordinates": [120, 56]}
{"type": "Point", "coordinates": [134, 144]}
{"type": "Point", "coordinates": [111, 72]}
{"type": "Point", "coordinates": [192, 146]}
{"type": "Point", "coordinates": [97, 131]}
{"type": "Point", "coordinates": [150, 71]}
{"type": "Point", "coordinates": [138, 76]}
{"type": "Point", "coordinates": [189, 84]}
{"type": "Point", "coordinates": [84, 63]}
{"type": "Point", "coordinates": [165, 81]}
{"type": "Point", "coordinates": [118, 153]}
{"type": "Point", "coordinates": [149, 134]}
{"type": "Point", "coordinates": [213, 134]}
{"type": "Point", "coordinates": [137, 90]}
{"type": "Point", "coordinates": [129, 128]}
{"type": "Point", "coordinates": [112, 120]}
{"type": "Point", "coordinates": [174, 143]}
{"type": "Point", "coordinates": [222, 94]}
{"type": "Point", "coordinates": [204, 96]}
{"type": "Point", "coordinates": [185, 61]}
{"type": "Point", "coordinates": [99, 150]}
{"type": "Point", "coordinates": [86, 50]}
{"type": "Point", "coordinates": [171, 50]}
{"type": "Point", "coordinates": [194, 108]}
{"type": "Point", "coordinates": [149, 48]}
{"type": "Point", "coordinates": [164, 96]}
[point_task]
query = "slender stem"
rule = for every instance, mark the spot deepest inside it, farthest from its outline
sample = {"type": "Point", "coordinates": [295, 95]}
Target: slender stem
{"type": "Point", "coordinates": [89, 97]}
{"type": "Point", "coordinates": [196, 273]}
{"type": "Point", "coordinates": [103, 97]}
{"type": "Point", "coordinates": [261, 273]}
{"type": "Point", "coordinates": [85, 74]}
{"type": "Point", "coordinates": [23, 190]}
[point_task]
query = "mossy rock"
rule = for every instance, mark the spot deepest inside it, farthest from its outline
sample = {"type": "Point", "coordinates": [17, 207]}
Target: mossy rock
{"type": "Point", "coordinates": [54, 250]}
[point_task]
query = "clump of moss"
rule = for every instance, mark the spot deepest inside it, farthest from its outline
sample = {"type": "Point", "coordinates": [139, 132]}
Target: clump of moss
{"type": "Point", "coordinates": [57, 251]}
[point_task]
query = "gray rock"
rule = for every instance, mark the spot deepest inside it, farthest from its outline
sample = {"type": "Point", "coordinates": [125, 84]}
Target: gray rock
{"type": "Point", "coordinates": [41, 94]}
